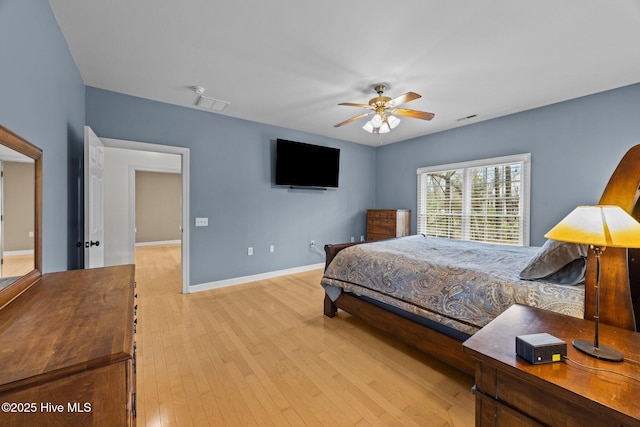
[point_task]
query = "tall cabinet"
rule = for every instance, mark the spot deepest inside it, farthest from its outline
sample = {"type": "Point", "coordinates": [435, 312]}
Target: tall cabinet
{"type": "Point", "coordinates": [72, 358]}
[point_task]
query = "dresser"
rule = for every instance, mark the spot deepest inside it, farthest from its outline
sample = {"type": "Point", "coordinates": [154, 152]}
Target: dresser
{"type": "Point", "coordinates": [582, 392]}
{"type": "Point", "coordinates": [388, 223]}
{"type": "Point", "coordinates": [68, 352]}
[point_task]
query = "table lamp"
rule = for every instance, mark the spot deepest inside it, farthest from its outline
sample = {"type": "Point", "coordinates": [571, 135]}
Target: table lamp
{"type": "Point", "coordinates": [598, 226]}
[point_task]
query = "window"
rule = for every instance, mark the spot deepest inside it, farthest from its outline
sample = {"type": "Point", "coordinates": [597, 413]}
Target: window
{"type": "Point", "coordinates": [484, 200]}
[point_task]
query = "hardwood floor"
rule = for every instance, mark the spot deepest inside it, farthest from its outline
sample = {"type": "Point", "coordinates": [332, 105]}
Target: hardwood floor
{"type": "Point", "coordinates": [17, 265]}
{"type": "Point", "coordinates": [263, 354]}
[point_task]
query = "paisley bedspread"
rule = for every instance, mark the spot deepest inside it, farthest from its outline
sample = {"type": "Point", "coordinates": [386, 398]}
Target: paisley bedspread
{"type": "Point", "coordinates": [460, 284]}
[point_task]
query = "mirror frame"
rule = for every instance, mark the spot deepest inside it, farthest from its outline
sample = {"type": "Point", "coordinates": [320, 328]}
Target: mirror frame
{"type": "Point", "coordinates": [22, 146]}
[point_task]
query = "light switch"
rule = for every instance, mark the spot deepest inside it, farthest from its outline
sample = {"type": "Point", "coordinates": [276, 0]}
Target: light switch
{"type": "Point", "coordinates": [202, 222]}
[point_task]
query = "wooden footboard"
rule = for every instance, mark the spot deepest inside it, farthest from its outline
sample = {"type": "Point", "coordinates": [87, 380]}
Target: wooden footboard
{"type": "Point", "coordinates": [332, 250]}
{"type": "Point", "coordinates": [436, 344]}
{"type": "Point", "coordinates": [430, 341]}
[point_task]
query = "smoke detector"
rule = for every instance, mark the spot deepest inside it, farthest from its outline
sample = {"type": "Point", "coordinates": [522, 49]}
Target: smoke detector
{"type": "Point", "coordinates": [199, 90]}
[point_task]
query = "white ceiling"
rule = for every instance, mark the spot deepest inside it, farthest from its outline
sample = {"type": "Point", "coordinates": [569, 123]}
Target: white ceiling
{"type": "Point", "coordinates": [290, 62]}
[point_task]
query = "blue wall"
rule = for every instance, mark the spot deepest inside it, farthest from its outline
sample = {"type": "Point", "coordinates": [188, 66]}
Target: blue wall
{"type": "Point", "coordinates": [42, 100]}
{"type": "Point", "coordinates": [231, 184]}
{"type": "Point", "coordinates": [574, 145]}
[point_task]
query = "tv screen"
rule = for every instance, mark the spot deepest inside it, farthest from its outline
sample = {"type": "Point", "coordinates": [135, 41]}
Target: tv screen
{"type": "Point", "coordinates": [306, 165]}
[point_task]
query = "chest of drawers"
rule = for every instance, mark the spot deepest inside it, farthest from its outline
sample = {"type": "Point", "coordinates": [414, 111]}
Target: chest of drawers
{"type": "Point", "coordinates": [68, 351]}
{"type": "Point", "coordinates": [388, 223]}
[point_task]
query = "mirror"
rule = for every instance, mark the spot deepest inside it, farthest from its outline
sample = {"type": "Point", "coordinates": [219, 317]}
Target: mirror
{"type": "Point", "coordinates": [21, 206]}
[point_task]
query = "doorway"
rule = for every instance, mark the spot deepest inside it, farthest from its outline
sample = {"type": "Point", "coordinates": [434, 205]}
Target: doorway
{"type": "Point", "coordinates": [121, 250]}
{"type": "Point", "coordinates": [156, 194]}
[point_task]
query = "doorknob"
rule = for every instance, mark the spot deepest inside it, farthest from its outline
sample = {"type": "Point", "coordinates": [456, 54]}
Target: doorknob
{"type": "Point", "coordinates": [91, 243]}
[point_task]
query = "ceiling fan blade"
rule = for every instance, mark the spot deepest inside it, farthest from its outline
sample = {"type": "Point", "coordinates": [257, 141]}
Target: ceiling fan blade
{"type": "Point", "coordinates": [352, 119]}
{"type": "Point", "coordinates": [423, 115]}
{"type": "Point", "coordinates": [351, 104]}
{"type": "Point", "coordinates": [409, 96]}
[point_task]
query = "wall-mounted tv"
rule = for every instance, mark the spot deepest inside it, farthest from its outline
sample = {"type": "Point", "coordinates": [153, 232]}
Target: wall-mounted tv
{"type": "Point", "coordinates": [306, 165]}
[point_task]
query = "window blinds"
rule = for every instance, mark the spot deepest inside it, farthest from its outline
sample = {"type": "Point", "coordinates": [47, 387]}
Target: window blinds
{"type": "Point", "coordinates": [485, 200]}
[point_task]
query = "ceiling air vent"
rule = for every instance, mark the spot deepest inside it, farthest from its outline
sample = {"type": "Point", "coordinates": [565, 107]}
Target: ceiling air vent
{"type": "Point", "coordinates": [212, 104]}
{"type": "Point", "coordinates": [216, 105]}
{"type": "Point", "coordinates": [466, 118]}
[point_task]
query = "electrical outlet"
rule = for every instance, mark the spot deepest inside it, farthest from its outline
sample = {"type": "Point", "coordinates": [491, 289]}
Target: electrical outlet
{"type": "Point", "coordinates": [353, 239]}
{"type": "Point", "coordinates": [272, 248]}
{"type": "Point", "coordinates": [362, 238]}
{"type": "Point", "coordinates": [202, 222]}
{"type": "Point", "coordinates": [249, 251]}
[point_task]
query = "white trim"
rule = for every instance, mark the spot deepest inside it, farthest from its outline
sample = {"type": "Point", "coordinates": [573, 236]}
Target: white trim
{"type": "Point", "coordinates": [23, 252]}
{"type": "Point", "coordinates": [158, 243]}
{"type": "Point", "coordinates": [525, 157]}
{"type": "Point", "coordinates": [247, 279]}
{"type": "Point", "coordinates": [185, 173]}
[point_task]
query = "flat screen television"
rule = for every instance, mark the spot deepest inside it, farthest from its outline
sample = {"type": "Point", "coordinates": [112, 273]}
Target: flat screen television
{"type": "Point", "coordinates": [306, 165]}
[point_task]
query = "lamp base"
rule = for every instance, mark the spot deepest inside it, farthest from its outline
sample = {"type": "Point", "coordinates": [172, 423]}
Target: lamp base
{"type": "Point", "coordinates": [602, 352]}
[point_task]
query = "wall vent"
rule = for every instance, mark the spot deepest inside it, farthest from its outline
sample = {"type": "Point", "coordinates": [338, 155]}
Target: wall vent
{"type": "Point", "coordinates": [466, 118]}
{"type": "Point", "coordinates": [216, 105]}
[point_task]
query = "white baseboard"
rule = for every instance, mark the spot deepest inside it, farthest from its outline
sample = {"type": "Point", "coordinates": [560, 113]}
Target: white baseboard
{"type": "Point", "coordinates": [247, 279]}
{"type": "Point", "coordinates": [162, 242]}
{"type": "Point", "coordinates": [25, 252]}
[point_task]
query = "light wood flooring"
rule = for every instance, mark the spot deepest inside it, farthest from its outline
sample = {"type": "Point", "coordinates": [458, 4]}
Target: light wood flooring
{"type": "Point", "coordinates": [263, 354]}
{"type": "Point", "coordinates": [17, 265]}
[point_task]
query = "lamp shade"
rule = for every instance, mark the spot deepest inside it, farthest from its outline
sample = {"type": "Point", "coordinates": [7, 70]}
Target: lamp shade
{"type": "Point", "coordinates": [601, 226]}
{"type": "Point", "coordinates": [376, 121]}
{"type": "Point", "coordinates": [393, 121]}
{"type": "Point", "coordinates": [368, 127]}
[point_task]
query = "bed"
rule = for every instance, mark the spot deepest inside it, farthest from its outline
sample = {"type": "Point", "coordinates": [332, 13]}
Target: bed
{"type": "Point", "coordinates": [410, 287]}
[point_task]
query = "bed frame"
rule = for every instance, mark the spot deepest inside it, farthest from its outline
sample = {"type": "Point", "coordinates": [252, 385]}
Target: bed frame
{"type": "Point", "coordinates": [619, 283]}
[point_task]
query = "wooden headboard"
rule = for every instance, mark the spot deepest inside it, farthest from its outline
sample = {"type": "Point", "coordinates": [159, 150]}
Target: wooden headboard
{"type": "Point", "coordinates": [620, 269]}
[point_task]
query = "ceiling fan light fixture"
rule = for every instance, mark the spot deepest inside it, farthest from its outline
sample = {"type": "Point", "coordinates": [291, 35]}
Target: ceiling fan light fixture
{"type": "Point", "coordinates": [377, 121]}
{"type": "Point", "coordinates": [368, 127]}
{"type": "Point", "coordinates": [385, 110]}
{"type": "Point", "coordinates": [393, 121]}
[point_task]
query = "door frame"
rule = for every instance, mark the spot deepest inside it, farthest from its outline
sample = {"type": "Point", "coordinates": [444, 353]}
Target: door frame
{"type": "Point", "coordinates": [184, 154]}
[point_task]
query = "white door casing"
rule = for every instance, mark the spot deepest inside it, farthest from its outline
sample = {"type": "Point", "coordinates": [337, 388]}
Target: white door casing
{"type": "Point", "coordinates": [93, 200]}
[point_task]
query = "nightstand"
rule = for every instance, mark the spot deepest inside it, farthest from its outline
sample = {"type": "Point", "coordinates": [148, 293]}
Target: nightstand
{"type": "Point", "coordinates": [512, 392]}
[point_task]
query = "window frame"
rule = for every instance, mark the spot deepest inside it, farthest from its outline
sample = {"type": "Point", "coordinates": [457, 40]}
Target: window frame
{"type": "Point", "coordinates": [523, 159]}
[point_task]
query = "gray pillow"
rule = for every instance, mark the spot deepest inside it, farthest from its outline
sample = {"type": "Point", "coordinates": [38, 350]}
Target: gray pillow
{"type": "Point", "coordinates": [554, 262]}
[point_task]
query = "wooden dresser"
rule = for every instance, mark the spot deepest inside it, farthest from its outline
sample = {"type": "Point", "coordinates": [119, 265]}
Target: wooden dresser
{"type": "Point", "coordinates": [582, 392]}
{"type": "Point", "coordinates": [388, 223]}
{"type": "Point", "coordinates": [68, 354]}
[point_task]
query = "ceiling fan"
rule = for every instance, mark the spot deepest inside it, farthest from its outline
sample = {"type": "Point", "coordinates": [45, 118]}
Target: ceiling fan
{"type": "Point", "coordinates": [386, 110]}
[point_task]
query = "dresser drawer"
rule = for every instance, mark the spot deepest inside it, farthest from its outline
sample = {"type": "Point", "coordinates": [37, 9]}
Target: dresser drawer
{"type": "Point", "coordinates": [381, 214]}
{"type": "Point", "coordinates": [385, 226]}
